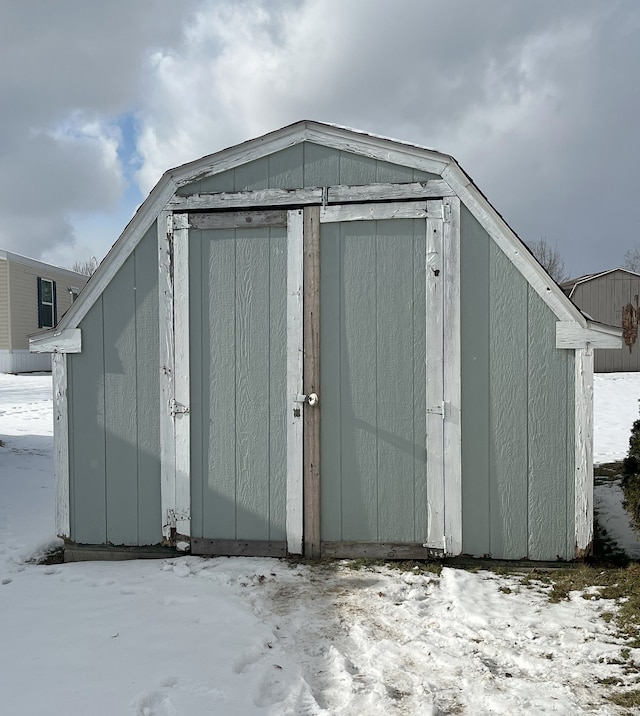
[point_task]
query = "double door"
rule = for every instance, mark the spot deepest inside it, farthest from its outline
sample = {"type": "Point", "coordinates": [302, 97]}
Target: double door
{"type": "Point", "coordinates": [313, 399]}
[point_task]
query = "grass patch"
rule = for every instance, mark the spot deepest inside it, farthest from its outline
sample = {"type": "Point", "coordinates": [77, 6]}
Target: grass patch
{"type": "Point", "coordinates": [627, 699]}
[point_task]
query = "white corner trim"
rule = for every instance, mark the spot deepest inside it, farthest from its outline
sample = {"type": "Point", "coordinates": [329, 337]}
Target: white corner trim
{"type": "Point", "coordinates": [583, 450]}
{"type": "Point", "coordinates": [61, 443]}
{"type": "Point", "coordinates": [181, 382]}
{"type": "Point", "coordinates": [452, 380]}
{"type": "Point", "coordinates": [434, 356]}
{"type": "Point", "coordinates": [67, 341]}
{"type": "Point", "coordinates": [295, 256]}
{"type": "Point", "coordinates": [511, 245]}
{"type": "Point", "coordinates": [572, 335]}
{"type": "Point", "coordinates": [167, 371]}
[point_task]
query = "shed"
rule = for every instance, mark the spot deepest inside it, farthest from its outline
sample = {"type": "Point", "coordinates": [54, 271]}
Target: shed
{"type": "Point", "coordinates": [611, 297]}
{"type": "Point", "coordinates": [32, 295]}
{"type": "Point", "coordinates": [328, 343]}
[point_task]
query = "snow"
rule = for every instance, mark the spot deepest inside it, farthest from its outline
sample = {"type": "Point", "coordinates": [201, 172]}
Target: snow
{"type": "Point", "coordinates": [239, 636]}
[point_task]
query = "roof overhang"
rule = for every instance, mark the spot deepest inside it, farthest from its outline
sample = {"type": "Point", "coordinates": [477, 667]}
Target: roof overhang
{"type": "Point", "coordinates": [593, 335]}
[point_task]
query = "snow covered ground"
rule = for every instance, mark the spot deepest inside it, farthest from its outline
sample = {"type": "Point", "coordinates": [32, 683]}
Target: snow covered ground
{"type": "Point", "coordinates": [189, 636]}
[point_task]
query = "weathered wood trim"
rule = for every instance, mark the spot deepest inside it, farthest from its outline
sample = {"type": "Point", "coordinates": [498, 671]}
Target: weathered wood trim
{"type": "Point", "coordinates": [515, 251]}
{"type": "Point", "coordinates": [181, 383]}
{"type": "Point", "coordinates": [238, 548]}
{"type": "Point", "coordinates": [67, 341]}
{"type": "Point", "coordinates": [312, 415]}
{"type": "Point", "coordinates": [339, 194]}
{"type": "Point", "coordinates": [238, 219]}
{"type": "Point", "coordinates": [378, 550]}
{"type": "Point", "coordinates": [371, 212]}
{"type": "Point", "coordinates": [375, 147]}
{"type": "Point", "coordinates": [74, 552]}
{"type": "Point", "coordinates": [435, 278]}
{"type": "Point", "coordinates": [244, 199]}
{"type": "Point", "coordinates": [434, 188]}
{"type": "Point", "coordinates": [584, 451]}
{"type": "Point", "coordinates": [452, 378]}
{"type": "Point", "coordinates": [295, 307]}
{"type": "Point", "coordinates": [61, 443]}
{"type": "Point", "coordinates": [167, 372]}
{"type": "Point", "coordinates": [572, 335]}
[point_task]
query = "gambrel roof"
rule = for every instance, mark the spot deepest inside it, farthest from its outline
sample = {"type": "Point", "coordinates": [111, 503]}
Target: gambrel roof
{"type": "Point", "coordinates": [347, 140]}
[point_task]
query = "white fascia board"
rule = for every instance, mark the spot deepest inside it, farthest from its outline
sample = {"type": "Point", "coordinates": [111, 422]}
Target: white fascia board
{"type": "Point", "coordinates": [513, 248]}
{"type": "Point", "coordinates": [68, 340]}
{"type": "Point", "coordinates": [386, 150]}
{"type": "Point", "coordinates": [571, 335]}
{"type": "Point", "coordinates": [240, 154]}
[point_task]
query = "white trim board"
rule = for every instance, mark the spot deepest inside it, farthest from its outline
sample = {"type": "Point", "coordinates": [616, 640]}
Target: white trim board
{"type": "Point", "coordinates": [583, 441]}
{"type": "Point", "coordinates": [167, 371]}
{"type": "Point", "coordinates": [182, 381]}
{"type": "Point", "coordinates": [61, 443]}
{"type": "Point", "coordinates": [67, 341]}
{"type": "Point", "coordinates": [570, 335]}
{"type": "Point", "coordinates": [295, 312]}
{"type": "Point", "coordinates": [452, 376]}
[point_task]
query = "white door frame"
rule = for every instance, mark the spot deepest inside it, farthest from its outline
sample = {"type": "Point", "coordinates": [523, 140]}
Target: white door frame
{"type": "Point", "coordinates": [442, 356]}
{"type": "Point", "coordinates": [444, 444]}
{"type": "Point", "coordinates": [175, 428]}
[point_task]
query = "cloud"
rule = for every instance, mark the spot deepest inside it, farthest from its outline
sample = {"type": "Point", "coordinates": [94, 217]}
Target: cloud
{"type": "Point", "coordinates": [70, 69]}
{"type": "Point", "coordinates": [538, 102]}
{"type": "Point", "coordinates": [524, 95]}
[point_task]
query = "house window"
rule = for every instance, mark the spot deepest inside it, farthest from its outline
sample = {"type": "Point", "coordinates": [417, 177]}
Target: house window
{"type": "Point", "coordinates": [47, 317]}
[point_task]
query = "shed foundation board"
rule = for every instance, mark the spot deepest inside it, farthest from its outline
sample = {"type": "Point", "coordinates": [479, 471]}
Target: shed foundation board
{"type": "Point", "coordinates": [107, 553]}
{"type": "Point", "coordinates": [238, 548]}
{"type": "Point", "coordinates": [378, 550]}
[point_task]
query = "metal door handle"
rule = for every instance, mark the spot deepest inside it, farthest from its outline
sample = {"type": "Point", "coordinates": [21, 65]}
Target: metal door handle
{"type": "Point", "coordinates": [312, 399]}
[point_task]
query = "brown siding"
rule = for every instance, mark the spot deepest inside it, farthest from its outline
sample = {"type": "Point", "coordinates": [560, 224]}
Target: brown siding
{"type": "Point", "coordinates": [604, 298]}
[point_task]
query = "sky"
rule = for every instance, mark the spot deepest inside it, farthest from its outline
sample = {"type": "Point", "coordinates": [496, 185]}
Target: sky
{"type": "Point", "coordinates": [538, 101]}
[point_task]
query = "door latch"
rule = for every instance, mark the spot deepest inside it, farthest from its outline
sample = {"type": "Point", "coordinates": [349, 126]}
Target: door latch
{"type": "Point", "coordinates": [311, 399]}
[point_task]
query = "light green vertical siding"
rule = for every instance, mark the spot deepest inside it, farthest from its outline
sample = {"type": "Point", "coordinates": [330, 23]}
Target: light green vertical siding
{"type": "Point", "coordinates": [474, 343]}
{"type": "Point", "coordinates": [517, 412]}
{"type": "Point", "coordinates": [306, 164]}
{"type": "Point", "coordinates": [372, 381]}
{"type": "Point", "coordinates": [548, 392]}
{"type": "Point", "coordinates": [113, 410]}
{"type": "Point", "coordinates": [508, 394]}
{"type": "Point", "coordinates": [87, 460]}
{"type": "Point", "coordinates": [238, 371]}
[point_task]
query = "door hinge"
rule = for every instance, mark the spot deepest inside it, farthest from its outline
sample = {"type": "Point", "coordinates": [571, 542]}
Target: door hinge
{"type": "Point", "coordinates": [175, 516]}
{"type": "Point", "coordinates": [436, 410]}
{"type": "Point", "coordinates": [176, 408]}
